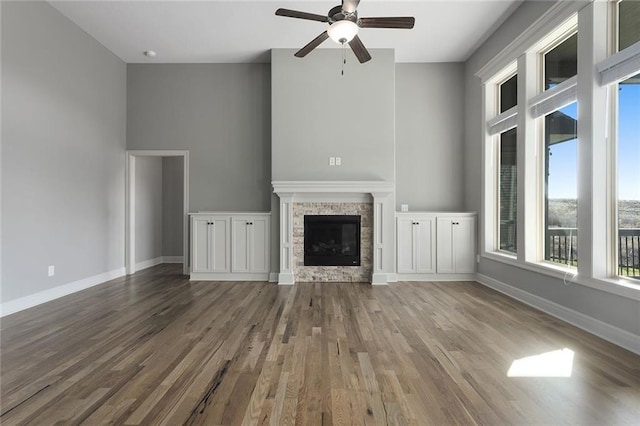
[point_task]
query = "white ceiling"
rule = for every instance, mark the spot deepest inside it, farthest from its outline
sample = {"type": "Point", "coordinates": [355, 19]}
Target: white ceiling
{"type": "Point", "coordinates": [245, 31]}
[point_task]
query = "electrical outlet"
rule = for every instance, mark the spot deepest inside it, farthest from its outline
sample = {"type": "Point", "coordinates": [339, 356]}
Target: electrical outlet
{"type": "Point", "coordinates": [332, 161]}
{"type": "Point", "coordinates": [404, 207]}
{"type": "Point", "coordinates": [338, 161]}
{"type": "Point", "coordinates": [51, 270]}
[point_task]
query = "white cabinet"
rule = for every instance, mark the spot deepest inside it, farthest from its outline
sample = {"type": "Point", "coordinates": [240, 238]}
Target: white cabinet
{"type": "Point", "coordinates": [435, 246]}
{"type": "Point", "coordinates": [416, 243]}
{"type": "Point", "coordinates": [230, 246]}
{"type": "Point", "coordinates": [250, 244]}
{"type": "Point", "coordinates": [210, 244]}
{"type": "Point", "coordinates": [456, 236]}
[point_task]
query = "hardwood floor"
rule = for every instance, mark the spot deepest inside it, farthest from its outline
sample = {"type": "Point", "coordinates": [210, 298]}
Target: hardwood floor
{"type": "Point", "coordinates": [155, 348]}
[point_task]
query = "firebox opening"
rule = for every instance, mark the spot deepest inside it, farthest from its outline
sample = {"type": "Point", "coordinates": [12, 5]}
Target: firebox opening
{"type": "Point", "coordinates": [331, 240]}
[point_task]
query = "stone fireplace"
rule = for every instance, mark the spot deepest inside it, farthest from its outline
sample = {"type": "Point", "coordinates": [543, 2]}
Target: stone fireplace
{"type": "Point", "coordinates": [372, 200]}
{"type": "Point", "coordinates": [361, 273]}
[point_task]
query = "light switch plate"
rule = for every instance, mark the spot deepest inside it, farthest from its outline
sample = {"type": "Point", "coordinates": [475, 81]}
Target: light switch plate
{"type": "Point", "coordinates": [404, 207]}
{"type": "Point", "coordinates": [51, 270]}
{"type": "Point", "coordinates": [338, 161]}
{"type": "Point", "coordinates": [332, 161]}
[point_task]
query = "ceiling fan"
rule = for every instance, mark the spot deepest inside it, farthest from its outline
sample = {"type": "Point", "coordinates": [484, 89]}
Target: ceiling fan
{"type": "Point", "coordinates": [343, 27]}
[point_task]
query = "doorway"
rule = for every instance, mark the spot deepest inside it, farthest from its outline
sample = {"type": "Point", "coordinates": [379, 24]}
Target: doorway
{"type": "Point", "coordinates": [133, 208]}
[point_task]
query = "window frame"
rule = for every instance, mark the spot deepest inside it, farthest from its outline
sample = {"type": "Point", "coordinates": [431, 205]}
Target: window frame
{"type": "Point", "coordinates": [560, 20]}
{"type": "Point", "coordinates": [498, 171]}
{"type": "Point", "coordinates": [544, 103]}
{"type": "Point", "coordinates": [495, 126]}
{"type": "Point", "coordinates": [607, 68]}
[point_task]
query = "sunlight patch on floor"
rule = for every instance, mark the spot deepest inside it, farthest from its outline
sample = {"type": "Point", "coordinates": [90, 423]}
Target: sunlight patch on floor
{"type": "Point", "coordinates": [549, 364]}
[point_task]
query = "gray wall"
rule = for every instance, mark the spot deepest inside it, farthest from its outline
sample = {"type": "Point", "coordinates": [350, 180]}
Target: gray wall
{"type": "Point", "coordinates": [63, 152]}
{"type": "Point", "coordinates": [615, 310]}
{"type": "Point", "coordinates": [172, 201]}
{"type": "Point", "coordinates": [430, 136]}
{"type": "Point", "coordinates": [221, 114]}
{"type": "Point", "coordinates": [318, 113]}
{"type": "Point", "coordinates": [149, 208]}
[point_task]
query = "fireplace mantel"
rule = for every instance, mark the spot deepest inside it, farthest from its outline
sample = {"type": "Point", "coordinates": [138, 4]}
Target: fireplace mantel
{"type": "Point", "coordinates": [382, 194]}
{"type": "Point", "coordinates": [338, 187]}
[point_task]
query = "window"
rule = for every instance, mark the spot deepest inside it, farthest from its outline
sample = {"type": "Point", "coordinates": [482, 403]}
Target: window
{"type": "Point", "coordinates": [509, 94]}
{"type": "Point", "coordinates": [628, 23]}
{"type": "Point", "coordinates": [543, 170]}
{"type": "Point", "coordinates": [507, 191]}
{"type": "Point", "coordinates": [561, 62]}
{"type": "Point", "coordinates": [628, 178]}
{"type": "Point", "coordinates": [503, 127]}
{"type": "Point", "coordinates": [560, 172]}
{"type": "Point", "coordinates": [560, 186]}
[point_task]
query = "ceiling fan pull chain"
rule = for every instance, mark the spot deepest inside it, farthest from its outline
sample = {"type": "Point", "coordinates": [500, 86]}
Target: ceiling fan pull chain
{"type": "Point", "coordinates": [344, 59]}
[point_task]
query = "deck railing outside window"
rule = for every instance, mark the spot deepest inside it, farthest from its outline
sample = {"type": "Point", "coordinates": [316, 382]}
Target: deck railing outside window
{"type": "Point", "coordinates": [563, 248]}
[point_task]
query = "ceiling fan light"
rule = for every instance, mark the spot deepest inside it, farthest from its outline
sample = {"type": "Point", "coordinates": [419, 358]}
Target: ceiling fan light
{"type": "Point", "coordinates": [342, 31]}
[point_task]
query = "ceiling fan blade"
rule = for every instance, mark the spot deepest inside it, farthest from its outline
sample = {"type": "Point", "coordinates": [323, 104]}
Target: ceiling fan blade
{"type": "Point", "coordinates": [402, 22]}
{"type": "Point", "coordinates": [359, 50]}
{"type": "Point", "coordinates": [350, 6]}
{"type": "Point", "coordinates": [301, 15]}
{"type": "Point", "coordinates": [311, 45]}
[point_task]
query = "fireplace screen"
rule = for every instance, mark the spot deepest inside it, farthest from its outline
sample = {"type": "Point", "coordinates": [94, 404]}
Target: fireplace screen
{"type": "Point", "coordinates": [331, 240]}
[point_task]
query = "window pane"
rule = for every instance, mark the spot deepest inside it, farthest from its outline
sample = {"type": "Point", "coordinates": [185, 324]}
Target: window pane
{"type": "Point", "coordinates": [629, 177]}
{"type": "Point", "coordinates": [509, 94]}
{"type": "Point", "coordinates": [561, 63]}
{"type": "Point", "coordinates": [628, 23]}
{"type": "Point", "coordinates": [507, 190]}
{"type": "Point", "coordinates": [561, 187]}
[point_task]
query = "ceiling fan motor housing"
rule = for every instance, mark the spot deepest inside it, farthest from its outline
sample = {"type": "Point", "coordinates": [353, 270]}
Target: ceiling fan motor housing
{"type": "Point", "coordinates": [337, 14]}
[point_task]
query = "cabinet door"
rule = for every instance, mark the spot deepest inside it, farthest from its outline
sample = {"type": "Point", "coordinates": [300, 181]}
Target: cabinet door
{"type": "Point", "coordinates": [405, 246]}
{"type": "Point", "coordinates": [200, 247]}
{"type": "Point", "coordinates": [240, 234]}
{"type": "Point", "coordinates": [424, 245]}
{"type": "Point", "coordinates": [219, 243]}
{"type": "Point", "coordinates": [445, 263]}
{"type": "Point", "coordinates": [259, 244]}
{"type": "Point", "coordinates": [464, 232]}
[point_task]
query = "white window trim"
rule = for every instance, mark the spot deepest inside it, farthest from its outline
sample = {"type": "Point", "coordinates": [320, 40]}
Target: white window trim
{"type": "Point", "coordinates": [555, 98]}
{"type": "Point", "coordinates": [557, 22]}
{"type": "Point", "coordinates": [503, 122]}
{"type": "Point", "coordinates": [620, 66]}
{"type": "Point", "coordinates": [620, 287]}
{"type": "Point", "coordinates": [548, 23]}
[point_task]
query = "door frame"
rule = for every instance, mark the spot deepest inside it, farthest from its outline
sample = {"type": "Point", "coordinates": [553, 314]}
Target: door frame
{"type": "Point", "coordinates": [130, 205]}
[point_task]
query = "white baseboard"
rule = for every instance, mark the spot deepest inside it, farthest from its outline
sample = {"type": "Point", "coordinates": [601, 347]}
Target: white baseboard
{"type": "Point", "coordinates": [286, 278]}
{"type": "Point", "coordinates": [436, 277]}
{"type": "Point", "coordinates": [228, 276]}
{"type": "Point", "coordinates": [382, 278]}
{"type": "Point", "coordinates": [32, 300]}
{"type": "Point", "coordinates": [601, 329]}
{"type": "Point", "coordinates": [273, 277]}
{"type": "Point", "coordinates": [148, 263]}
{"type": "Point", "coordinates": [172, 259]}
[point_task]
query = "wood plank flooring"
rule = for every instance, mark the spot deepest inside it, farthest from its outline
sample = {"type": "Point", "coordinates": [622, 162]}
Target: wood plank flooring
{"type": "Point", "coordinates": [155, 348]}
